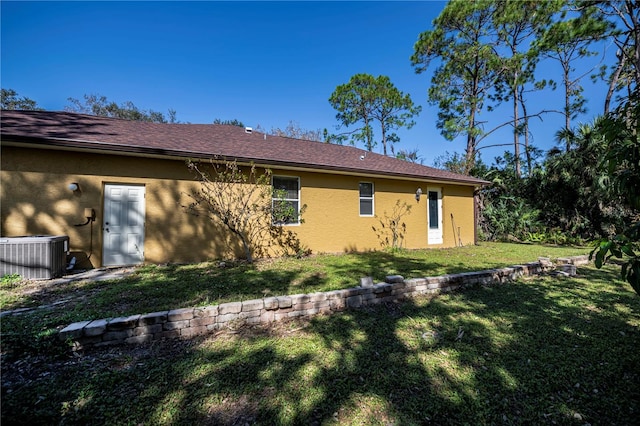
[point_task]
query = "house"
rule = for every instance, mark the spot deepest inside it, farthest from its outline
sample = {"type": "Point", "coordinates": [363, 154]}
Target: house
{"type": "Point", "coordinates": [115, 187]}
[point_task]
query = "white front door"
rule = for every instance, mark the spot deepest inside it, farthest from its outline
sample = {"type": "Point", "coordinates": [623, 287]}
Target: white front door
{"type": "Point", "coordinates": [434, 215]}
{"type": "Point", "coordinates": [123, 225]}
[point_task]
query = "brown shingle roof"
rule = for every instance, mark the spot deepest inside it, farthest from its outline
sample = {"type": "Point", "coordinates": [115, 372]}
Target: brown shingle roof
{"type": "Point", "coordinates": [71, 130]}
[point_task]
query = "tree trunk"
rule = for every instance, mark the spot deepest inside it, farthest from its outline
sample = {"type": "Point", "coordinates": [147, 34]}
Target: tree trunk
{"type": "Point", "coordinates": [471, 137]}
{"type": "Point", "coordinates": [471, 154]}
{"type": "Point", "coordinates": [567, 102]}
{"type": "Point", "coordinates": [613, 83]}
{"type": "Point", "coordinates": [516, 130]}
{"type": "Point", "coordinates": [247, 251]}
{"type": "Point", "coordinates": [527, 151]}
{"type": "Point", "coordinates": [369, 142]}
{"type": "Point", "coordinates": [384, 141]}
{"type": "Point", "coordinates": [246, 246]}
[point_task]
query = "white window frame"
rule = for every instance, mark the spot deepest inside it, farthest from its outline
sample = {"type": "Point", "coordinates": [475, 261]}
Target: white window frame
{"type": "Point", "coordinates": [372, 198]}
{"type": "Point", "coordinates": [297, 178]}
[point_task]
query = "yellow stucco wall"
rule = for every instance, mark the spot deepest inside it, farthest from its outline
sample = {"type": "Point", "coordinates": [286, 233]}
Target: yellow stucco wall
{"type": "Point", "coordinates": [36, 200]}
{"type": "Point", "coordinates": [458, 215]}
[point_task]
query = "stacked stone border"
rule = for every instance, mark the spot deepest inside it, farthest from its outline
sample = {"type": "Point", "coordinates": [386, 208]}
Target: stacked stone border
{"type": "Point", "coordinates": [190, 322]}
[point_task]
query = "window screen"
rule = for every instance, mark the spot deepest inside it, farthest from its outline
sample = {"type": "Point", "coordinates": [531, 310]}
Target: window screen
{"type": "Point", "coordinates": [366, 199]}
{"type": "Point", "coordinates": [286, 200]}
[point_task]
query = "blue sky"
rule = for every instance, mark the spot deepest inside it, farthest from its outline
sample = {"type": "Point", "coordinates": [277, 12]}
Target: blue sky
{"type": "Point", "coordinates": [264, 63]}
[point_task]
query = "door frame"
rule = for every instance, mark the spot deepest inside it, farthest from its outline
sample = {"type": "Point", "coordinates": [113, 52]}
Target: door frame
{"type": "Point", "coordinates": [435, 235]}
{"type": "Point", "coordinates": [105, 199]}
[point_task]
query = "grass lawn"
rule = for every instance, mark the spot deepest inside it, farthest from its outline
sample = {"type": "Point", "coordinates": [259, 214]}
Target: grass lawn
{"type": "Point", "coordinates": [156, 288]}
{"type": "Point", "coordinates": [538, 351]}
{"type": "Point", "coordinates": [542, 350]}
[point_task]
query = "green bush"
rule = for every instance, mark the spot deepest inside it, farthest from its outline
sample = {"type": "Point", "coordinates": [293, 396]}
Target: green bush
{"type": "Point", "coordinates": [509, 218]}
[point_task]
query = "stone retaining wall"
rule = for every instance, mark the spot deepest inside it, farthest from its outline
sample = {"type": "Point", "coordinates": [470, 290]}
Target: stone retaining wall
{"type": "Point", "coordinates": [189, 322]}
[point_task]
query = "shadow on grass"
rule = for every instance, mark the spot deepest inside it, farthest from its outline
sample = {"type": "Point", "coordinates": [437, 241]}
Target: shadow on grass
{"type": "Point", "coordinates": [153, 288]}
{"type": "Point", "coordinates": [409, 264]}
{"type": "Point", "coordinates": [172, 287]}
{"type": "Point", "coordinates": [540, 351]}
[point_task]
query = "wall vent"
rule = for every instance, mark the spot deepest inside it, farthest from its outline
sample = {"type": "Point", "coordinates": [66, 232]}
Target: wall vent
{"type": "Point", "coordinates": [37, 257]}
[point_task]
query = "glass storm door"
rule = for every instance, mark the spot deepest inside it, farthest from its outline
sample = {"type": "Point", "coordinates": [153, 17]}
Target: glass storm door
{"type": "Point", "coordinates": [434, 216]}
{"type": "Point", "coordinates": [123, 225]}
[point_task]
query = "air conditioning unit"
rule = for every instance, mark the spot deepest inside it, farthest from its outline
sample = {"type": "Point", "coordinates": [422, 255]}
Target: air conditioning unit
{"type": "Point", "coordinates": [36, 257]}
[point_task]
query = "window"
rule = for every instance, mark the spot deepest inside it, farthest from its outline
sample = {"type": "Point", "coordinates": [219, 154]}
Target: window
{"type": "Point", "coordinates": [286, 200]}
{"type": "Point", "coordinates": [366, 199]}
{"type": "Point", "coordinates": [434, 220]}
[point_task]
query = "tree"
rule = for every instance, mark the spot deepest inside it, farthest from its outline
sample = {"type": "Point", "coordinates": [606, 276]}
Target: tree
{"type": "Point", "coordinates": [410, 155]}
{"type": "Point", "coordinates": [9, 100]}
{"type": "Point", "coordinates": [392, 228]}
{"type": "Point", "coordinates": [234, 122]}
{"type": "Point", "coordinates": [100, 106]}
{"type": "Point", "coordinates": [622, 165]}
{"type": "Point", "coordinates": [457, 163]}
{"type": "Point", "coordinates": [570, 193]}
{"type": "Point", "coordinates": [468, 68]}
{"type": "Point", "coordinates": [516, 24]}
{"type": "Point", "coordinates": [293, 130]}
{"type": "Point", "coordinates": [624, 18]}
{"type": "Point", "coordinates": [244, 201]}
{"type": "Point", "coordinates": [239, 200]}
{"type": "Point", "coordinates": [506, 212]}
{"type": "Point", "coordinates": [567, 41]}
{"type": "Point", "coordinates": [366, 99]}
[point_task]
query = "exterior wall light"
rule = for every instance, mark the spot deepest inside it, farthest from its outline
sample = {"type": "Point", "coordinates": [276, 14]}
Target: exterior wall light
{"type": "Point", "coordinates": [418, 194]}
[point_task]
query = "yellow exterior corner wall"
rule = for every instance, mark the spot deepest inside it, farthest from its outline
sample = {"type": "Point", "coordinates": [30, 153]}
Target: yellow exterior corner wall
{"type": "Point", "coordinates": [36, 200]}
